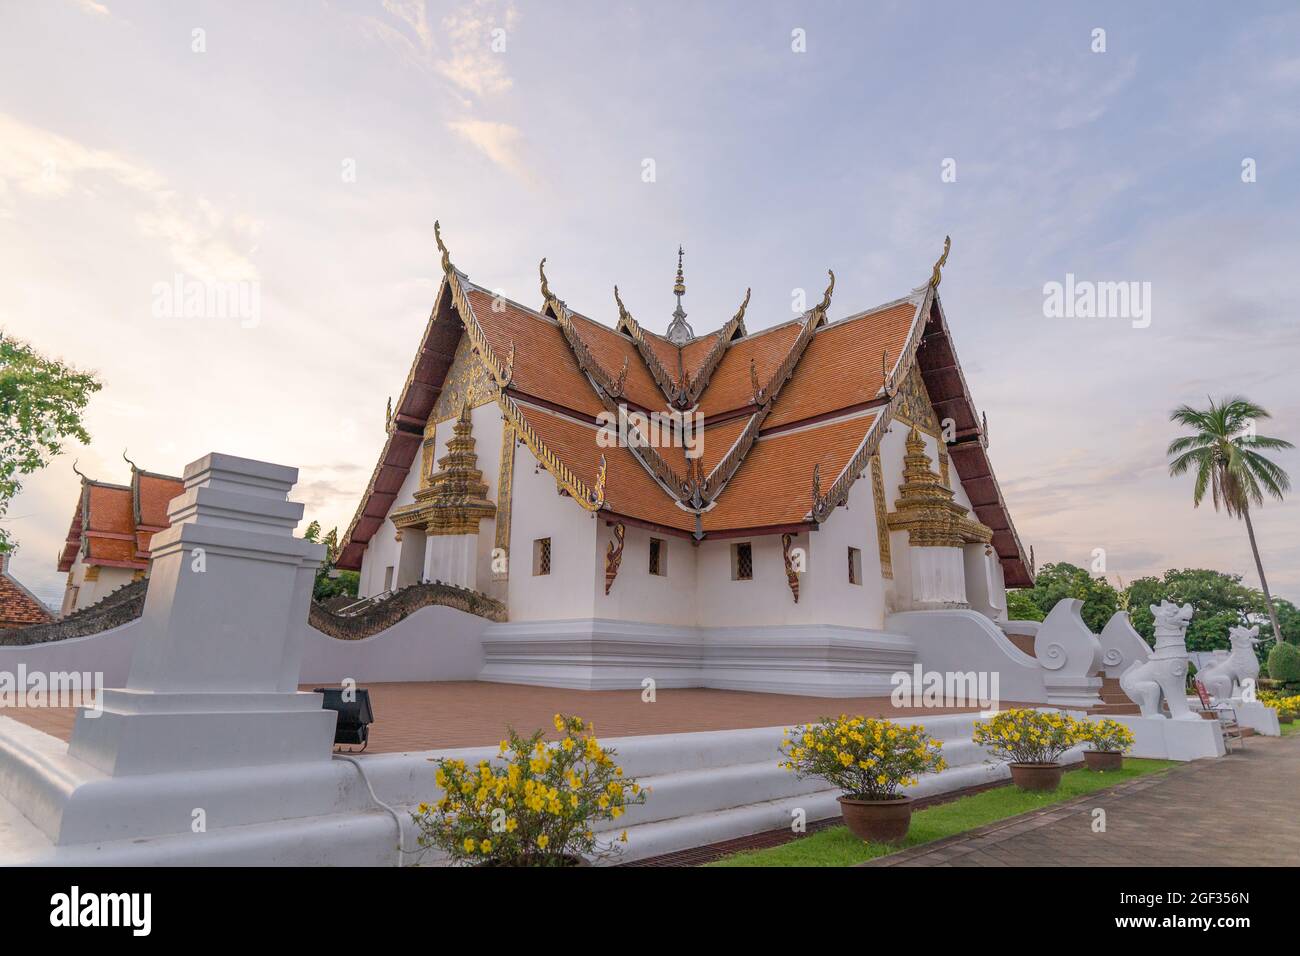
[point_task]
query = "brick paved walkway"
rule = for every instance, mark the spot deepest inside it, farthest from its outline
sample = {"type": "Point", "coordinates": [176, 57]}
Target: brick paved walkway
{"type": "Point", "coordinates": [1237, 810]}
{"type": "Point", "coordinates": [425, 716]}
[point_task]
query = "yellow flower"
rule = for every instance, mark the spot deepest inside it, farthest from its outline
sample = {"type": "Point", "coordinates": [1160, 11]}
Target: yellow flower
{"type": "Point", "coordinates": [486, 846]}
{"type": "Point", "coordinates": [559, 722]}
{"type": "Point", "coordinates": [469, 844]}
{"type": "Point", "coordinates": [543, 842]}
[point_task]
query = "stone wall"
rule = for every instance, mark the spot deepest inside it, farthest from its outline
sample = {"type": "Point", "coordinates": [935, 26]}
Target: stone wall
{"type": "Point", "coordinates": [123, 605]}
{"type": "Point", "coordinates": [379, 617]}
{"type": "Point", "coordinates": [127, 603]}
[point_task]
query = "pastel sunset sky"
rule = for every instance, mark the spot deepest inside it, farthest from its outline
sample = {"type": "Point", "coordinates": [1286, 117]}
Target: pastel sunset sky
{"type": "Point", "coordinates": [306, 148]}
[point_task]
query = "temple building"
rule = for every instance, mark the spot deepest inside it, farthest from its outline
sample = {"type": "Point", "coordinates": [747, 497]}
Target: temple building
{"type": "Point", "coordinates": [771, 498]}
{"type": "Point", "coordinates": [108, 542]}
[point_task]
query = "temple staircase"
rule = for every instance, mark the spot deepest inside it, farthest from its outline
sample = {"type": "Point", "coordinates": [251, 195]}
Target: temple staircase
{"type": "Point", "coordinates": [1114, 700]}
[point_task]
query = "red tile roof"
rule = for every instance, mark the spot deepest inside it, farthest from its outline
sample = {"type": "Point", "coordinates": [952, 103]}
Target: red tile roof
{"type": "Point", "coordinates": [113, 524]}
{"type": "Point", "coordinates": [18, 606]}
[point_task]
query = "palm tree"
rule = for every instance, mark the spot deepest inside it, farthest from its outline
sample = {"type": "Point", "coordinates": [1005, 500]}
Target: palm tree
{"type": "Point", "coordinates": [1224, 454]}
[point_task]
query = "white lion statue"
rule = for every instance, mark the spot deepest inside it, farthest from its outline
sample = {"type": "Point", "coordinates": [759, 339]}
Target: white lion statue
{"type": "Point", "coordinates": [1164, 675]}
{"type": "Point", "coordinates": [1223, 678]}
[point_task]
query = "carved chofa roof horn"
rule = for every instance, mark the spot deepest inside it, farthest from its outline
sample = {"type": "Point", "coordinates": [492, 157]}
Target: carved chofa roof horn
{"type": "Point", "coordinates": [78, 471]}
{"type": "Point", "coordinates": [825, 303]}
{"type": "Point", "coordinates": [546, 288]}
{"type": "Point", "coordinates": [134, 466]}
{"type": "Point", "coordinates": [447, 267]}
{"type": "Point", "coordinates": [936, 275]}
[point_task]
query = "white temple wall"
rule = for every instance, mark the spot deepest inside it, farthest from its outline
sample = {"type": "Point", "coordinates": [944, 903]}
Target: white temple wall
{"type": "Point", "coordinates": [638, 595]}
{"type": "Point", "coordinates": [765, 599]}
{"type": "Point", "coordinates": [384, 550]}
{"type": "Point", "coordinates": [577, 551]}
{"type": "Point", "coordinates": [829, 596]}
{"type": "Point", "coordinates": [92, 592]}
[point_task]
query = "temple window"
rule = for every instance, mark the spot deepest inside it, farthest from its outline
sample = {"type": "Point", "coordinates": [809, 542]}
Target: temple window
{"type": "Point", "coordinates": [855, 566]}
{"type": "Point", "coordinates": [658, 557]}
{"type": "Point", "coordinates": [742, 562]}
{"type": "Point", "coordinates": [541, 556]}
{"type": "Point", "coordinates": [388, 577]}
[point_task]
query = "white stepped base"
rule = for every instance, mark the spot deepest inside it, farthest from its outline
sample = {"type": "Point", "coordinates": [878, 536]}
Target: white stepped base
{"type": "Point", "coordinates": [601, 654]}
{"type": "Point", "coordinates": [705, 787]}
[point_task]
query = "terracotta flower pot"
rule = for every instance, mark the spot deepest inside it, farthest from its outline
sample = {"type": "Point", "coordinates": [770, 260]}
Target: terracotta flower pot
{"type": "Point", "coordinates": [877, 821]}
{"type": "Point", "coordinates": [1104, 759]}
{"type": "Point", "coordinates": [1039, 777]}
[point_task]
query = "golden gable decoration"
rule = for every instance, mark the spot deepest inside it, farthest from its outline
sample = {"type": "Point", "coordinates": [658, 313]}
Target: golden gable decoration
{"type": "Point", "coordinates": [455, 500]}
{"type": "Point", "coordinates": [925, 509]}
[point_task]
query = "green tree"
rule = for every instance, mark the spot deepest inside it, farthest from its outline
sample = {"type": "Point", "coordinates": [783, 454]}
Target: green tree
{"type": "Point", "coordinates": [1224, 455]}
{"type": "Point", "coordinates": [1021, 606]}
{"type": "Point", "coordinates": [329, 581]}
{"type": "Point", "coordinates": [1057, 581]}
{"type": "Point", "coordinates": [1288, 616]}
{"type": "Point", "coordinates": [1220, 601]}
{"type": "Point", "coordinates": [41, 404]}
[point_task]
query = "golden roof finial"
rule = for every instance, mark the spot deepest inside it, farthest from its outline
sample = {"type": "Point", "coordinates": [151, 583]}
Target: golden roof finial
{"type": "Point", "coordinates": [679, 287]}
{"type": "Point", "coordinates": [937, 275]}
{"type": "Point", "coordinates": [546, 289]}
{"type": "Point", "coordinates": [442, 246]}
{"type": "Point", "coordinates": [825, 303]}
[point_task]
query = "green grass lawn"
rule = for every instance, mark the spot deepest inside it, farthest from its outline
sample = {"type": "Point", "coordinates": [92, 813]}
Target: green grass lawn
{"type": "Point", "coordinates": [836, 846]}
{"type": "Point", "coordinates": [1289, 729]}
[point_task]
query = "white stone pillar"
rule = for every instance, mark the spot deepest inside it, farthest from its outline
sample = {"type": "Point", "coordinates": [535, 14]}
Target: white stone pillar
{"type": "Point", "coordinates": [938, 577]}
{"type": "Point", "coordinates": [213, 678]}
{"type": "Point", "coordinates": [453, 559]}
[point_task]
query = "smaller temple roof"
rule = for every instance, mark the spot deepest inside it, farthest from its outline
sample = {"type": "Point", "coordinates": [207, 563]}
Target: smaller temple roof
{"type": "Point", "coordinates": [18, 606]}
{"type": "Point", "coordinates": [114, 524]}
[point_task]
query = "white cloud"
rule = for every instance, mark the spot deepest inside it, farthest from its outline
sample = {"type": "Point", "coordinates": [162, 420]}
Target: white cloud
{"type": "Point", "coordinates": [471, 63]}
{"type": "Point", "coordinates": [203, 242]}
{"type": "Point", "coordinates": [500, 142]}
{"type": "Point", "coordinates": [90, 6]}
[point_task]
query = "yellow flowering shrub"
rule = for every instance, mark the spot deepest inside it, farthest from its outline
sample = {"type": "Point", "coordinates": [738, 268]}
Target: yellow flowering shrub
{"type": "Point", "coordinates": [867, 758]}
{"type": "Point", "coordinates": [1279, 702]}
{"type": "Point", "coordinates": [534, 806]}
{"type": "Point", "coordinates": [1106, 735]}
{"type": "Point", "coordinates": [1028, 736]}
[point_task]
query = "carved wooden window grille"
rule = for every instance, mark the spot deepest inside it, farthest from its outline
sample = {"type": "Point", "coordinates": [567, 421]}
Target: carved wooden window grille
{"type": "Point", "coordinates": [542, 556]}
{"type": "Point", "coordinates": [855, 566]}
{"type": "Point", "coordinates": [742, 562]}
{"type": "Point", "coordinates": [658, 557]}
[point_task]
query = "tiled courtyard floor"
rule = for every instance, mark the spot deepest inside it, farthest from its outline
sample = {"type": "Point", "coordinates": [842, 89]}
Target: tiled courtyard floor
{"type": "Point", "coordinates": [425, 716]}
{"type": "Point", "coordinates": [1238, 810]}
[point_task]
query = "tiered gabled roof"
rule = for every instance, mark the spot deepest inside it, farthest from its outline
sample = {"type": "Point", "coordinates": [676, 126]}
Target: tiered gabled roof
{"type": "Point", "coordinates": [114, 524]}
{"type": "Point", "coordinates": [792, 413]}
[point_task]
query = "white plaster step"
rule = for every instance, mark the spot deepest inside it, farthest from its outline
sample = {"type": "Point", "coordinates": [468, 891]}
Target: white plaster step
{"type": "Point", "coordinates": [651, 755]}
{"type": "Point", "coordinates": [698, 829]}
{"type": "Point", "coordinates": [719, 788]}
{"type": "Point", "coordinates": [367, 838]}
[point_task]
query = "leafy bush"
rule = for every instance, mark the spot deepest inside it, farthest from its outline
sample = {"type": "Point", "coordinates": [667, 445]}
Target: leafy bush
{"type": "Point", "coordinates": [1106, 735]}
{"type": "Point", "coordinates": [1284, 663]}
{"type": "Point", "coordinates": [1028, 736]}
{"type": "Point", "coordinates": [536, 807]}
{"type": "Point", "coordinates": [866, 758]}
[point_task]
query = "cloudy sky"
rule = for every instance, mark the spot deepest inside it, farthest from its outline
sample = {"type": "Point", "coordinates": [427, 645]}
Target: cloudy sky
{"type": "Point", "coordinates": [302, 151]}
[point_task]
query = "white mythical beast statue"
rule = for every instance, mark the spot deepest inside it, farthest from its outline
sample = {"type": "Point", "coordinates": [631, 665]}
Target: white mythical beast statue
{"type": "Point", "coordinates": [1164, 675]}
{"type": "Point", "coordinates": [1223, 678]}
